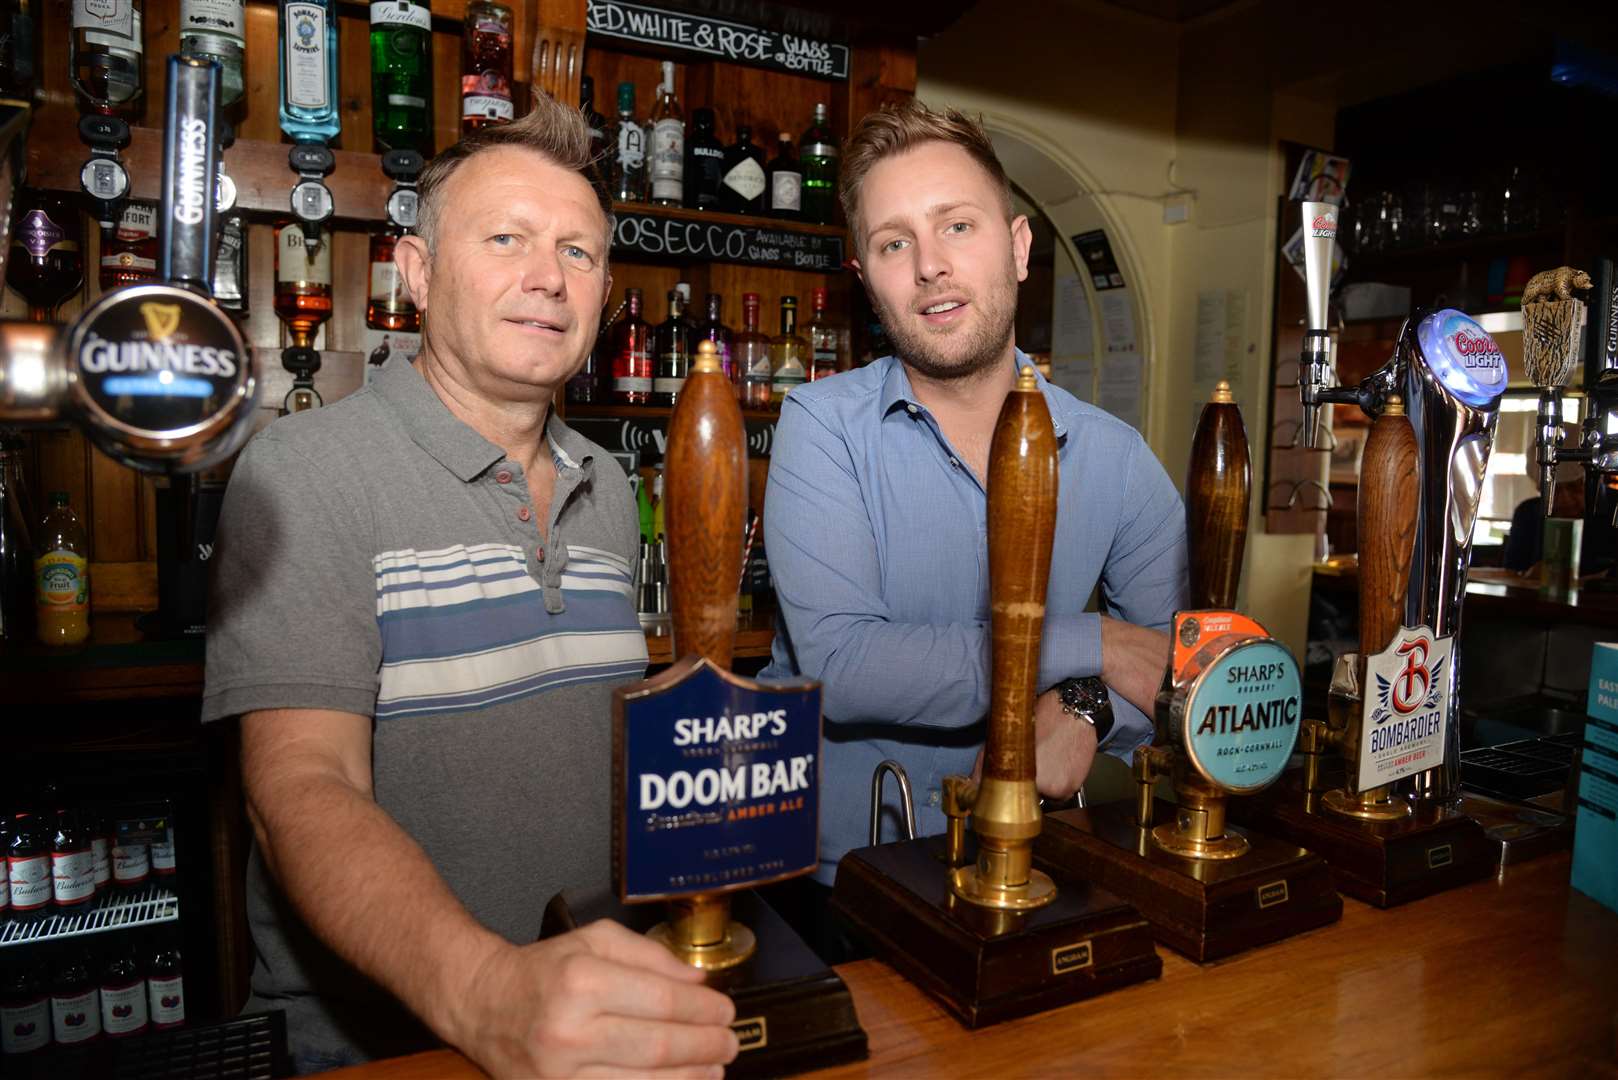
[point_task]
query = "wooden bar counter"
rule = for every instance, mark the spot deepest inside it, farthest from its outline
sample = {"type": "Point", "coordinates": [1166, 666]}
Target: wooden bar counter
{"type": "Point", "coordinates": [1510, 977]}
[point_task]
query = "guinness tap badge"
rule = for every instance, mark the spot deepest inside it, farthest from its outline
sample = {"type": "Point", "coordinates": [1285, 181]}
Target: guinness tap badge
{"type": "Point", "coordinates": [161, 320]}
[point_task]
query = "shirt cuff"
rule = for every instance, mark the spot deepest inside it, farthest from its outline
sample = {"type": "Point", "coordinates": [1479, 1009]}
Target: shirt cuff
{"type": "Point", "coordinates": [1069, 648]}
{"type": "Point", "coordinates": [1131, 728]}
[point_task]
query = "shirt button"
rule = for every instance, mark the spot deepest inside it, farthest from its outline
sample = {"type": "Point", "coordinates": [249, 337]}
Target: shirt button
{"type": "Point", "coordinates": [954, 464]}
{"type": "Point", "coordinates": [524, 514]}
{"type": "Point", "coordinates": [932, 798]}
{"type": "Point", "coordinates": [502, 477]}
{"type": "Point", "coordinates": [911, 409]}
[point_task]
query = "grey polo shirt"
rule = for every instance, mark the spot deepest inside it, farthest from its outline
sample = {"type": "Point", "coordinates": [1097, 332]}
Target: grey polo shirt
{"type": "Point", "coordinates": [380, 557]}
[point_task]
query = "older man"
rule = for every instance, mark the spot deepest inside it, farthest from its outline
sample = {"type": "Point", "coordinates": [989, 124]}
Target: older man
{"type": "Point", "coordinates": [421, 606]}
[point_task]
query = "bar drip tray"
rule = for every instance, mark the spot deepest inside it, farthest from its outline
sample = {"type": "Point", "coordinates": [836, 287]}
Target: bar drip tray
{"type": "Point", "coordinates": [1522, 769]}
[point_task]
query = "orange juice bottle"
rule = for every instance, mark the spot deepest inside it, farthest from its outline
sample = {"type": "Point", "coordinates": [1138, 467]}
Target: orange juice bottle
{"type": "Point", "coordinates": [62, 576]}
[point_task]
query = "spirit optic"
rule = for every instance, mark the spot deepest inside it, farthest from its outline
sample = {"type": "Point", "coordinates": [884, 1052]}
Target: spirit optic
{"type": "Point", "coordinates": [302, 283]}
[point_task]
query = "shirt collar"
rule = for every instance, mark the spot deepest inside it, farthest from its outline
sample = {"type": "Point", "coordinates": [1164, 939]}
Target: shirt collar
{"type": "Point", "coordinates": [896, 390]}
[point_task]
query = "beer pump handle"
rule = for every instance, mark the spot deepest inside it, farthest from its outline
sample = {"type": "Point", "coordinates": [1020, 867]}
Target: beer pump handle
{"type": "Point", "coordinates": [190, 169]}
{"type": "Point", "coordinates": [705, 485]}
{"type": "Point", "coordinates": [1217, 488]}
{"type": "Point", "coordinates": [1022, 531]}
{"type": "Point", "coordinates": [1389, 490]}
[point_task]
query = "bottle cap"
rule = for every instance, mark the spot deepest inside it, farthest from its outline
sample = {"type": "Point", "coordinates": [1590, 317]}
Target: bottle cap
{"type": "Point", "coordinates": [626, 97]}
{"type": "Point", "coordinates": [58, 498]}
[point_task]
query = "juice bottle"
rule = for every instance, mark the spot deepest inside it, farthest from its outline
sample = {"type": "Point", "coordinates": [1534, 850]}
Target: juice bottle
{"type": "Point", "coordinates": [62, 576]}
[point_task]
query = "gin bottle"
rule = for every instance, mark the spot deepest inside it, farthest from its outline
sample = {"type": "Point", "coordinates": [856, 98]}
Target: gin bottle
{"type": "Point", "coordinates": [402, 75]}
{"type": "Point", "coordinates": [106, 49]}
{"type": "Point", "coordinates": [309, 70]}
{"type": "Point", "coordinates": [215, 30]}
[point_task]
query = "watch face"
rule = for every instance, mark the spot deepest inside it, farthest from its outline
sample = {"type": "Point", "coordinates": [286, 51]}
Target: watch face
{"type": "Point", "coordinates": [1086, 696]}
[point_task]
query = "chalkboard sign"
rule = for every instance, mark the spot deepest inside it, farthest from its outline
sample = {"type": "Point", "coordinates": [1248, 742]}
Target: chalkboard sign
{"type": "Point", "coordinates": [726, 40]}
{"type": "Point", "coordinates": [646, 234]}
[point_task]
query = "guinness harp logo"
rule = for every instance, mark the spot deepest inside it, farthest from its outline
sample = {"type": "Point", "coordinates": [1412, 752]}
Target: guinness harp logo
{"type": "Point", "coordinates": [752, 1033]}
{"type": "Point", "coordinates": [161, 320]}
{"type": "Point", "coordinates": [1440, 856]}
{"type": "Point", "coordinates": [1273, 893]}
{"type": "Point", "coordinates": [1070, 958]}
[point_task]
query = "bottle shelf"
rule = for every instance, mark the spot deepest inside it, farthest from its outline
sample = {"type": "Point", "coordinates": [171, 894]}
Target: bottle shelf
{"type": "Point", "coordinates": [574, 410]}
{"type": "Point", "coordinates": [148, 906]}
{"type": "Point", "coordinates": [1362, 267]}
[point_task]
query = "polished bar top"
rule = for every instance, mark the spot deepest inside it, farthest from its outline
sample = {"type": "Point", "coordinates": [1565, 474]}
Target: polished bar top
{"type": "Point", "coordinates": [1505, 977]}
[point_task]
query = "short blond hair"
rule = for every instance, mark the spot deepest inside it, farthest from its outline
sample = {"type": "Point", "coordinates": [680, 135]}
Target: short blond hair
{"type": "Point", "coordinates": [899, 126]}
{"type": "Point", "coordinates": [557, 132]}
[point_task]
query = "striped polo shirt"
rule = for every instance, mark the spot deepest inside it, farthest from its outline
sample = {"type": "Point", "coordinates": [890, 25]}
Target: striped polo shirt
{"type": "Point", "coordinates": [379, 557]}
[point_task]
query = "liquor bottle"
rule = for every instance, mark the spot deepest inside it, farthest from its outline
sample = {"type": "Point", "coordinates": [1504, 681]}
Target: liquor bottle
{"type": "Point", "coordinates": [75, 999]}
{"type": "Point", "coordinates": [402, 75]}
{"type": "Point", "coordinates": [594, 120]}
{"type": "Point", "coordinates": [230, 264]}
{"type": "Point", "coordinates": [742, 188]}
{"type": "Point", "coordinates": [216, 30]}
{"type": "Point", "coordinates": [632, 354]}
{"type": "Point", "coordinates": [124, 1009]}
{"type": "Point", "coordinates": [486, 66]}
{"type": "Point", "coordinates": [73, 879]}
{"type": "Point", "coordinates": [165, 980]}
{"type": "Point", "coordinates": [106, 47]}
{"type": "Point", "coordinates": [25, 1007]}
{"type": "Point", "coordinates": [753, 356]}
{"type": "Point", "coordinates": [309, 85]}
{"type": "Point", "coordinates": [45, 264]}
{"type": "Point", "coordinates": [715, 330]}
{"type": "Point", "coordinates": [824, 339]}
{"type": "Point", "coordinates": [129, 252]}
{"type": "Point", "coordinates": [19, 50]}
{"type": "Point", "coordinates": [817, 154]}
{"type": "Point", "coordinates": [302, 283]}
{"type": "Point", "coordinates": [392, 323]}
{"type": "Point", "coordinates": [668, 143]}
{"type": "Point", "coordinates": [628, 175]}
{"type": "Point", "coordinates": [704, 163]}
{"type": "Point", "coordinates": [28, 869]}
{"type": "Point", "coordinates": [673, 347]}
{"type": "Point", "coordinates": [787, 353]}
{"type": "Point", "coordinates": [585, 386]}
{"type": "Point", "coordinates": [786, 182]}
{"type": "Point", "coordinates": [61, 576]}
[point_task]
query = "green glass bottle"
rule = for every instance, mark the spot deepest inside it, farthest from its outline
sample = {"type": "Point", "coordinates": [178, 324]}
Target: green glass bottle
{"type": "Point", "coordinates": [402, 75]}
{"type": "Point", "coordinates": [817, 151]}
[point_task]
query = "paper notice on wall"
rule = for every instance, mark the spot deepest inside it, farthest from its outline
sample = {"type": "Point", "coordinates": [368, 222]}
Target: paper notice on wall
{"type": "Point", "coordinates": [1119, 389]}
{"type": "Point", "coordinates": [1118, 321]}
{"type": "Point", "coordinates": [1072, 325]}
{"type": "Point", "coordinates": [1221, 342]}
{"type": "Point", "coordinates": [1076, 375]}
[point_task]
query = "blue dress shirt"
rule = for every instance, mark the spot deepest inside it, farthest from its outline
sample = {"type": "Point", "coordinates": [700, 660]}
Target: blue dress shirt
{"type": "Point", "coordinates": [877, 535]}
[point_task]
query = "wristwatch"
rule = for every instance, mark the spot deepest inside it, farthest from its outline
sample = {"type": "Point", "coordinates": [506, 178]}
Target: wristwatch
{"type": "Point", "coordinates": [1088, 700]}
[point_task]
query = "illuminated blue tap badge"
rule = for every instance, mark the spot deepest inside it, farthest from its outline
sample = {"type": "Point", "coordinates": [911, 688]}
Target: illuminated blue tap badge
{"type": "Point", "coordinates": [717, 783]}
{"type": "Point", "coordinates": [1241, 716]}
{"type": "Point", "coordinates": [1463, 356]}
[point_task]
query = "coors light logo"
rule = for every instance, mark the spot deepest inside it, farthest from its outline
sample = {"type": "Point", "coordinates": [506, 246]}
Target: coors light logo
{"type": "Point", "coordinates": [1479, 353]}
{"type": "Point", "coordinates": [1324, 226]}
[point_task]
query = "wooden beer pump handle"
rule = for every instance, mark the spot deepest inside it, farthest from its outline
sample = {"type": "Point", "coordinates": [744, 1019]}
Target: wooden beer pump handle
{"type": "Point", "coordinates": [1218, 484]}
{"type": "Point", "coordinates": [1022, 532]}
{"type": "Point", "coordinates": [705, 485]}
{"type": "Point", "coordinates": [1389, 489]}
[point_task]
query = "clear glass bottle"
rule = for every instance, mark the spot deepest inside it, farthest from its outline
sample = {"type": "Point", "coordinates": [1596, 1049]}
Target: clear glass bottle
{"type": "Point", "coordinates": [825, 338]}
{"type": "Point", "coordinates": [704, 163]}
{"type": "Point", "coordinates": [165, 980]}
{"type": "Point", "coordinates": [302, 283]}
{"type": "Point", "coordinates": [787, 353]}
{"type": "Point", "coordinates": [106, 49]}
{"type": "Point", "coordinates": [632, 354]}
{"type": "Point", "coordinates": [309, 87]}
{"type": "Point", "coordinates": [715, 330]}
{"type": "Point", "coordinates": [486, 66]}
{"type": "Point", "coordinates": [817, 154]}
{"type": "Point", "coordinates": [595, 121]}
{"type": "Point", "coordinates": [786, 182]}
{"type": "Point", "coordinates": [672, 344]}
{"type": "Point", "coordinates": [61, 576]}
{"type": "Point", "coordinates": [129, 252]}
{"type": "Point", "coordinates": [216, 30]}
{"type": "Point", "coordinates": [753, 355]}
{"type": "Point", "coordinates": [124, 1008]}
{"type": "Point", "coordinates": [628, 174]}
{"type": "Point", "coordinates": [402, 75]}
{"type": "Point", "coordinates": [743, 186]}
{"type": "Point", "coordinates": [668, 144]}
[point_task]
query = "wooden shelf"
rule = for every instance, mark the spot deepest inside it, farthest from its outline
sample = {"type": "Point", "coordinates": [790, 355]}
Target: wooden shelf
{"type": "Point", "coordinates": [1480, 247]}
{"type": "Point", "coordinates": [652, 412]}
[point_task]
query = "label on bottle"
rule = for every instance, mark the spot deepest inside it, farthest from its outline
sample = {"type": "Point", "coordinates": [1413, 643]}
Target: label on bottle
{"type": "Point", "coordinates": [486, 95]}
{"type": "Point", "coordinates": [216, 16]}
{"type": "Point", "coordinates": [76, 1018]}
{"type": "Point", "coordinates": [401, 13]}
{"type": "Point", "coordinates": [137, 222]}
{"type": "Point", "coordinates": [786, 191]}
{"type": "Point", "coordinates": [632, 384]}
{"type": "Point", "coordinates": [25, 1028]}
{"type": "Point", "coordinates": [131, 864]}
{"type": "Point", "coordinates": [298, 261]}
{"type": "Point", "coordinates": [746, 178]}
{"type": "Point", "coordinates": [163, 855]}
{"type": "Point", "coordinates": [668, 159]}
{"type": "Point", "coordinates": [73, 876]}
{"type": "Point", "coordinates": [101, 855]}
{"type": "Point", "coordinates": [407, 101]}
{"type": "Point", "coordinates": [63, 581]}
{"type": "Point", "coordinates": [123, 1008]}
{"type": "Point", "coordinates": [387, 286]}
{"type": "Point", "coordinates": [664, 384]}
{"type": "Point", "coordinates": [631, 146]}
{"type": "Point", "coordinates": [785, 379]}
{"type": "Point", "coordinates": [112, 16]}
{"type": "Point", "coordinates": [127, 262]}
{"type": "Point", "coordinates": [30, 879]}
{"type": "Point", "coordinates": [379, 346]}
{"type": "Point", "coordinates": [39, 235]}
{"type": "Point", "coordinates": [825, 358]}
{"type": "Point", "coordinates": [227, 266]}
{"type": "Point", "coordinates": [758, 368]}
{"type": "Point", "coordinates": [820, 149]}
{"type": "Point", "coordinates": [305, 60]}
{"type": "Point", "coordinates": [166, 998]}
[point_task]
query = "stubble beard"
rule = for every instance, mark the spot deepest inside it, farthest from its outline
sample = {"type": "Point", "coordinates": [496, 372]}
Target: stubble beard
{"type": "Point", "coordinates": [976, 348]}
